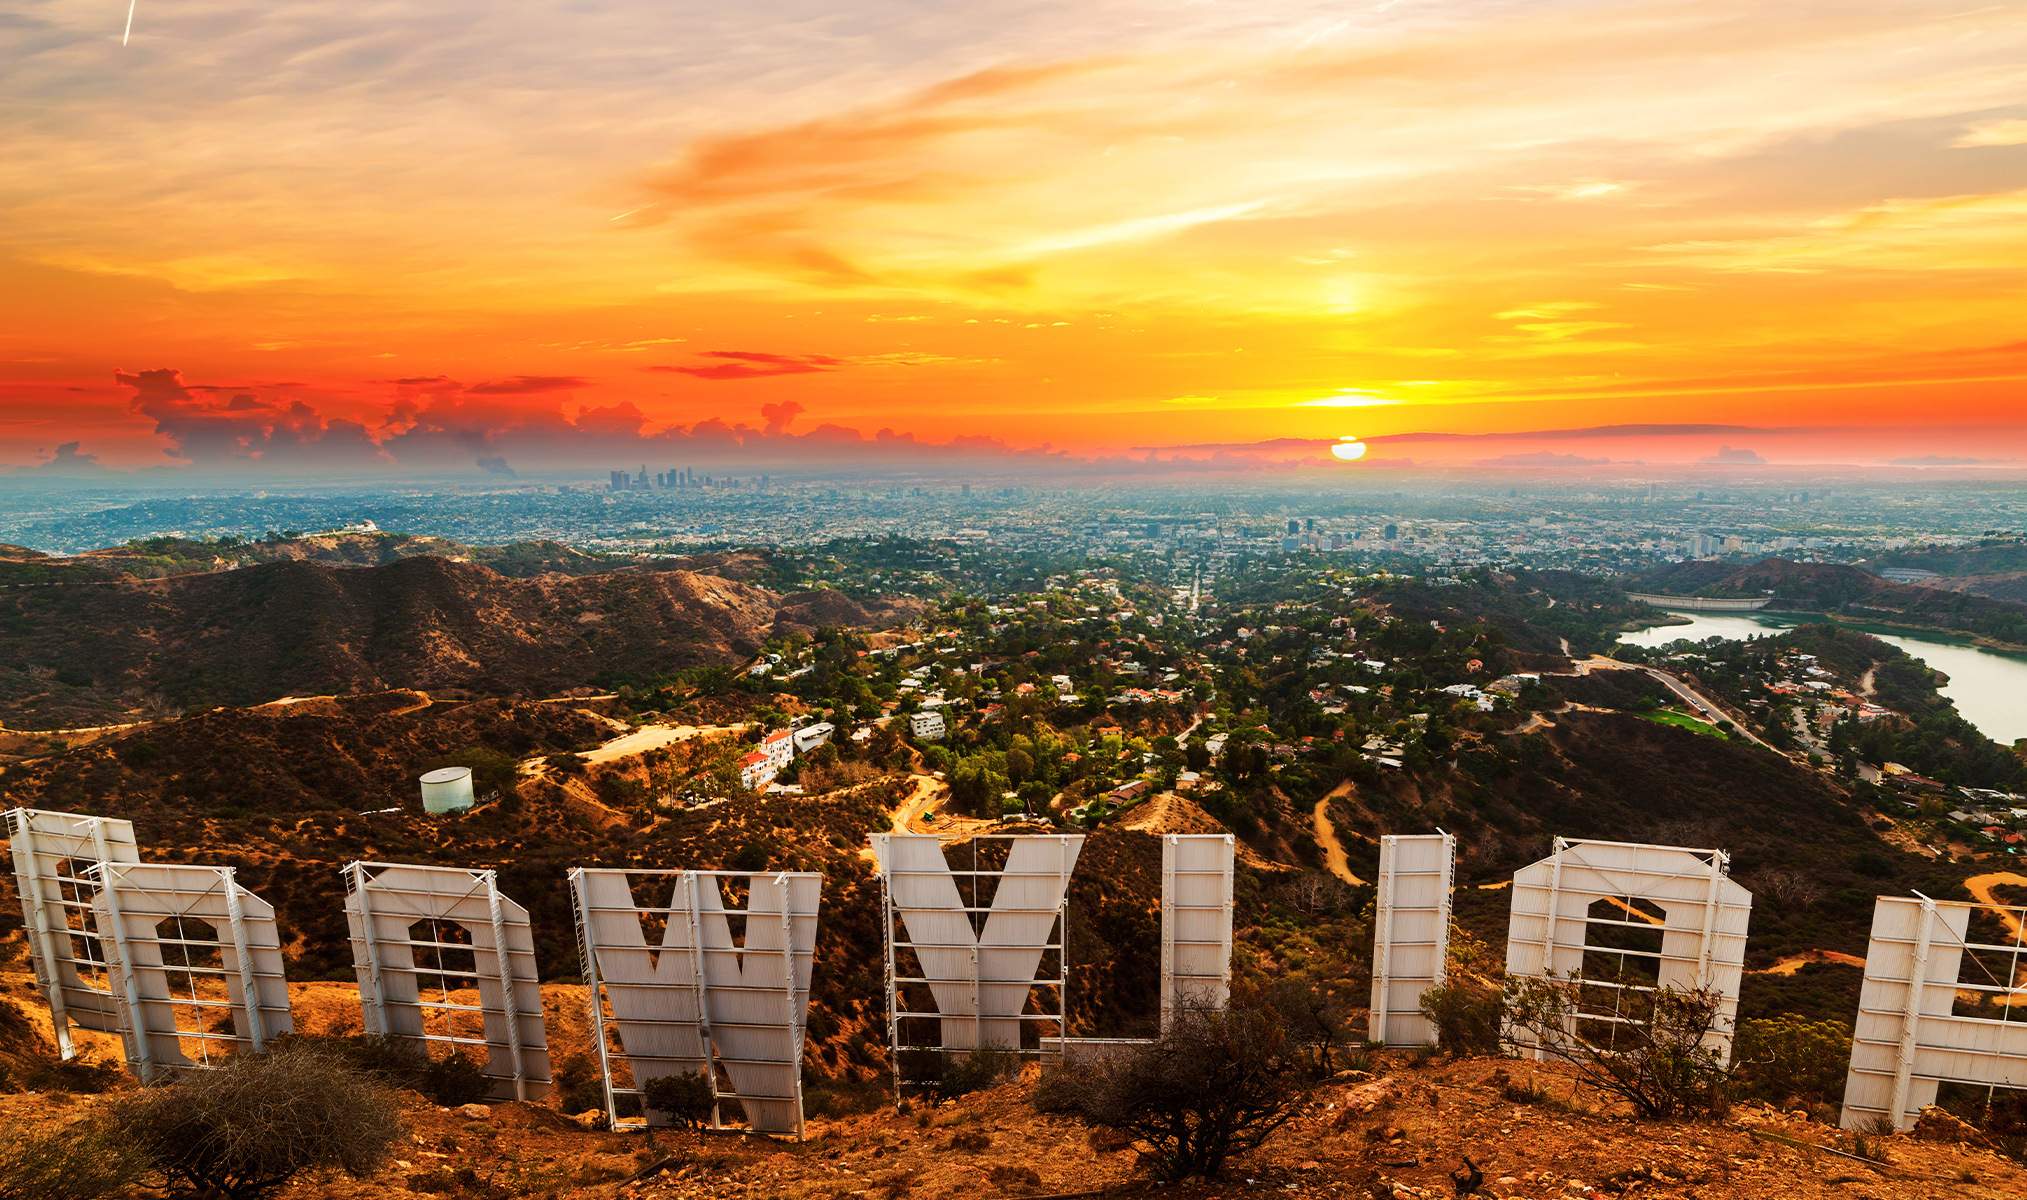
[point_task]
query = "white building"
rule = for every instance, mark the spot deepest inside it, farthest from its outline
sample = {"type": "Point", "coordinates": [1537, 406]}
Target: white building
{"type": "Point", "coordinates": [927, 726]}
{"type": "Point", "coordinates": [809, 737]}
{"type": "Point", "coordinates": [775, 751]}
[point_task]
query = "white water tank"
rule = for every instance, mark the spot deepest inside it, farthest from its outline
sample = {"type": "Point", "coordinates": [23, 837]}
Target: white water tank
{"type": "Point", "coordinates": [447, 789]}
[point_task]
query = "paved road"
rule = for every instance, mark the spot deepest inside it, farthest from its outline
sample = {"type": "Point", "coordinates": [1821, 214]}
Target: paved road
{"type": "Point", "coordinates": [1708, 708]}
{"type": "Point", "coordinates": [1704, 706]}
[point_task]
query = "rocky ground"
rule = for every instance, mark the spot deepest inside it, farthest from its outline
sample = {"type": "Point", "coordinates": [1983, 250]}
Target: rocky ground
{"type": "Point", "coordinates": [1398, 1131]}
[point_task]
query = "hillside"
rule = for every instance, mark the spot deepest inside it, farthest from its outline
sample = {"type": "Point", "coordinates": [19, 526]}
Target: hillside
{"type": "Point", "coordinates": [286, 793]}
{"type": "Point", "coordinates": [1395, 1131]}
{"type": "Point", "coordinates": [162, 557]}
{"type": "Point", "coordinates": [1990, 557]}
{"type": "Point", "coordinates": [86, 653]}
{"type": "Point", "coordinates": [1996, 568]}
{"type": "Point", "coordinates": [1841, 591]}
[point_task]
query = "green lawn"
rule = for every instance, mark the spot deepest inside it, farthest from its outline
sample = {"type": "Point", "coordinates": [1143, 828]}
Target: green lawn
{"type": "Point", "coordinates": [1669, 716]}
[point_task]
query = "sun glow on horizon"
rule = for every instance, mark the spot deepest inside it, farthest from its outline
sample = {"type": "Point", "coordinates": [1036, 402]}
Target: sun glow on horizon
{"type": "Point", "coordinates": [1569, 213]}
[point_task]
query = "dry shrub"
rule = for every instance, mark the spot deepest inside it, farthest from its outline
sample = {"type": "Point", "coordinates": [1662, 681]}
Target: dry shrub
{"type": "Point", "coordinates": [80, 1163]}
{"type": "Point", "coordinates": [1015, 1177]}
{"type": "Point", "coordinates": [245, 1130]}
{"type": "Point", "coordinates": [838, 775]}
{"type": "Point", "coordinates": [1214, 1084]}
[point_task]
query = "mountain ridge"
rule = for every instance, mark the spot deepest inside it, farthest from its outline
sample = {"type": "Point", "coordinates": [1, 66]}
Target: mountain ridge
{"type": "Point", "coordinates": [78, 654]}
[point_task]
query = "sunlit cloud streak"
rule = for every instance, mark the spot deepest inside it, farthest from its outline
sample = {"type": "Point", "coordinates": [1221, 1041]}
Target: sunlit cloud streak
{"type": "Point", "coordinates": [1033, 223]}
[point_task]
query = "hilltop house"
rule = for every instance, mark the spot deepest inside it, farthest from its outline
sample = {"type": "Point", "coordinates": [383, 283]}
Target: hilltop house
{"type": "Point", "coordinates": [776, 751]}
{"type": "Point", "coordinates": [809, 737]}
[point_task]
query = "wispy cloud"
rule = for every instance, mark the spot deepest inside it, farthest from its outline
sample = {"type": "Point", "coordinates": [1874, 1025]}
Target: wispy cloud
{"type": "Point", "coordinates": [1060, 215]}
{"type": "Point", "coordinates": [755, 364]}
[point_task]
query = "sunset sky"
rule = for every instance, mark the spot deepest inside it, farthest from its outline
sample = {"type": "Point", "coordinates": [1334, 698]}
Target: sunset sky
{"type": "Point", "coordinates": [386, 235]}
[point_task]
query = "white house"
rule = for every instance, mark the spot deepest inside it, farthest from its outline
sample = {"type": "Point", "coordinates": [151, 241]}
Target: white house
{"type": "Point", "coordinates": [809, 737]}
{"type": "Point", "coordinates": [927, 726]}
{"type": "Point", "coordinates": [775, 751]}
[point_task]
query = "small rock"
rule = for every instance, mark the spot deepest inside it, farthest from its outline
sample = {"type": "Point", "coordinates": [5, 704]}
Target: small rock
{"type": "Point", "coordinates": [475, 1112]}
{"type": "Point", "coordinates": [1936, 1125]}
{"type": "Point", "coordinates": [1311, 1165]}
{"type": "Point", "coordinates": [1369, 1096]}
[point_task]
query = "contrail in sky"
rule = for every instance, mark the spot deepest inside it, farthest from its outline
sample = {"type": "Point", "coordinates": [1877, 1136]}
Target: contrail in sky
{"type": "Point", "coordinates": [130, 22]}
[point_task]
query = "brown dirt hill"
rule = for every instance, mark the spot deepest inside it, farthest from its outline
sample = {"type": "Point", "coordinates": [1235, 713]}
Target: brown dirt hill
{"type": "Point", "coordinates": [328, 754]}
{"type": "Point", "coordinates": [2010, 586]}
{"type": "Point", "coordinates": [287, 793]}
{"type": "Point", "coordinates": [1400, 1136]}
{"type": "Point", "coordinates": [163, 557]}
{"type": "Point", "coordinates": [79, 654]}
{"type": "Point", "coordinates": [1615, 777]}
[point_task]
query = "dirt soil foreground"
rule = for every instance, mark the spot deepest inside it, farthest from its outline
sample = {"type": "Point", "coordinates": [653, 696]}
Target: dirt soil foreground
{"type": "Point", "coordinates": [1394, 1134]}
{"type": "Point", "coordinates": [993, 1144]}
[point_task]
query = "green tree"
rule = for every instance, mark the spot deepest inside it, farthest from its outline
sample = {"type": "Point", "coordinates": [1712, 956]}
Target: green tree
{"type": "Point", "coordinates": [1787, 1058]}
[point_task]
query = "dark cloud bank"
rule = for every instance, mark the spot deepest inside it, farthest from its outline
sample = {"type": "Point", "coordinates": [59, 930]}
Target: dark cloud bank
{"type": "Point", "coordinates": [437, 424]}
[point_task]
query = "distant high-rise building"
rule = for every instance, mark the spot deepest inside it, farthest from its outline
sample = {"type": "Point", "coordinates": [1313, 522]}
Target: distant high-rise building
{"type": "Point", "coordinates": [1294, 527]}
{"type": "Point", "coordinates": [1392, 532]}
{"type": "Point", "coordinates": [965, 491]}
{"type": "Point", "coordinates": [1309, 526]}
{"type": "Point", "coordinates": [615, 481]}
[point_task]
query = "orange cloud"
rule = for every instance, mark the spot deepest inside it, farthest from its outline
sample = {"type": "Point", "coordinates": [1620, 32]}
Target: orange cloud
{"type": "Point", "coordinates": [1240, 223]}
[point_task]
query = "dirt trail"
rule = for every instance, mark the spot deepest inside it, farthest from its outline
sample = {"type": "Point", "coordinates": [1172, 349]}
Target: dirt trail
{"type": "Point", "coordinates": [1981, 887]}
{"type": "Point", "coordinates": [1326, 836]}
{"type": "Point", "coordinates": [653, 737]}
{"type": "Point", "coordinates": [929, 791]}
{"type": "Point", "coordinates": [1795, 962]}
{"type": "Point", "coordinates": [1166, 812]}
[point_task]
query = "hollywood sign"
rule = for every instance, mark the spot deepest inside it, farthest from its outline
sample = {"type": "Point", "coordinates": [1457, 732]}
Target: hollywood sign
{"type": "Point", "coordinates": [686, 972]}
{"type": "Point", "coordinates": [708, 972]}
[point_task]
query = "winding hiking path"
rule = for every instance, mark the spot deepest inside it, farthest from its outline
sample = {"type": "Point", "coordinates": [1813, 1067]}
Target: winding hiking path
{"type": "Point", "coordinates": [928, 790]}
{"type": "Point", "coordinates": [1334, 856]}
{"type": "Point", "coordinates": [1795, 962]}
{"type": "Point", "coordinates": [1980, 887]}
